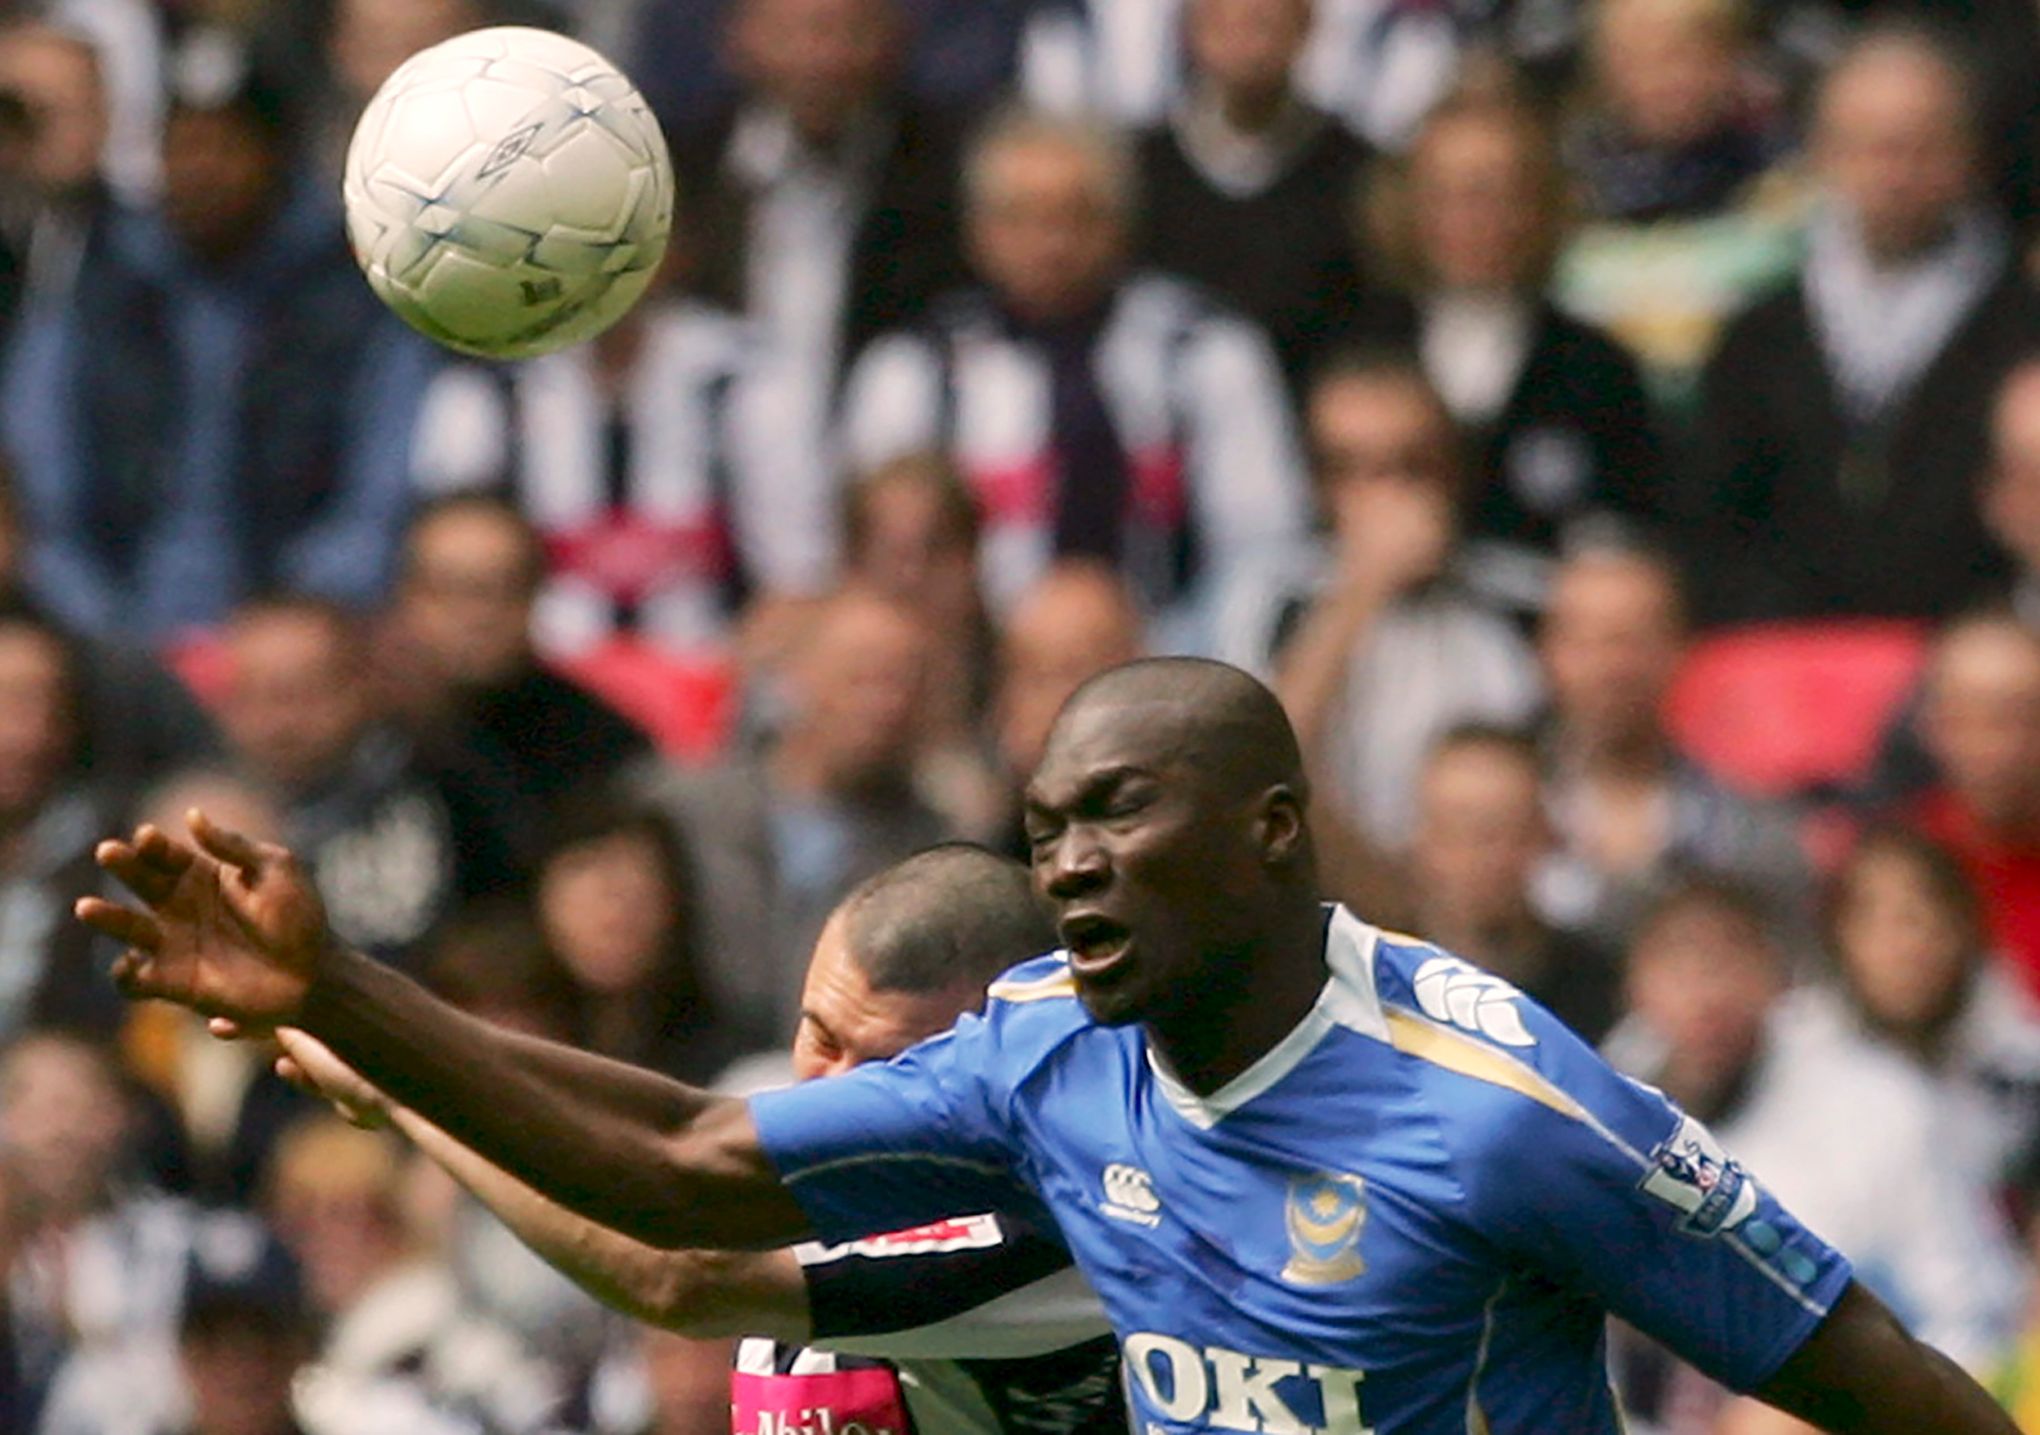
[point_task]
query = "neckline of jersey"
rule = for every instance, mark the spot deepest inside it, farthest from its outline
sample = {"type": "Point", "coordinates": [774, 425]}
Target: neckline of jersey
{"type": "Point", "coordinates": [1346, 1000]}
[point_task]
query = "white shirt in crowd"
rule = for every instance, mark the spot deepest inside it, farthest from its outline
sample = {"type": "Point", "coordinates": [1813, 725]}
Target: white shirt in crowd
{"type": "Point", "coordinates": [1377, 65]}
{"type": "Point", "coordinates": [1853, 1140]}
{"type": "Point", "coordinates": [1432, 660]}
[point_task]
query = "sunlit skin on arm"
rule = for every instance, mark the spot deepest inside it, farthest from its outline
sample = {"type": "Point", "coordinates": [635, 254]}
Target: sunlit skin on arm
{"type": "Point", "coordinates": [701, 1294]}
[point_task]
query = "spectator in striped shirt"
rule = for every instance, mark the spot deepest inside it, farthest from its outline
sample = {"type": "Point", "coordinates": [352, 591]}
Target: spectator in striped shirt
{"type": "Point", "coordinates": [1097, 411]}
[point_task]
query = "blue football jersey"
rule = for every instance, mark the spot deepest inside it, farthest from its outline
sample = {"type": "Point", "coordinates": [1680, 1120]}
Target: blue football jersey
{"type": "Point", "coordinates": [1411, 1215]}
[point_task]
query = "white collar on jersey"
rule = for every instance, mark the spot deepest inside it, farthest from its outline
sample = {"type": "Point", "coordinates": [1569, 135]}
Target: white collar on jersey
{"type": "Point", "coordinates": [1348, 1000]}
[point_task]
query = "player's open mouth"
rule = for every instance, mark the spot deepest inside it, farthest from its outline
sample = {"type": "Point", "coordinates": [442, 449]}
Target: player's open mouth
{"type": "Point", "coordinates": [1094, 942]}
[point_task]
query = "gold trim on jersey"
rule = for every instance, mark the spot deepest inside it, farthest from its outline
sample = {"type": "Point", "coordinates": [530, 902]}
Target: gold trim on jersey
{"type": "Point", "coordinates": [1441, 1046]}
{"type": "Point", "coordinates": [1055, 984]}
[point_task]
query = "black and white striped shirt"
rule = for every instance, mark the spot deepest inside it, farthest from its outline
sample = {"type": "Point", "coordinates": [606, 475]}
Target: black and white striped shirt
{"type": "Point", "coordinates": [660, 512]}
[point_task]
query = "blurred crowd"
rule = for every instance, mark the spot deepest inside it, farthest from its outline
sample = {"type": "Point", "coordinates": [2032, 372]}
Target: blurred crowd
{"type": "Point", "coordinates": [1612, 426]}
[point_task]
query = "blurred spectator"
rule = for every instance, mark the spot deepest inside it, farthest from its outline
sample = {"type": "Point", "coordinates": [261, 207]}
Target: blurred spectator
{"type": "Point", "coordinates": [668, 466]}
{"type": "Point", "coordinates": [617, 905]}
{"type": "Point", "coordinates": [1981, 727]}
{"type": "Point", "coordinates": [2010, 501]}
{"type": "Point", "coordinates": [395, 832]}
{"type": "Point", "coordinates": [129, 38]}
{"type": "Point", "coordinates": [1247, 189]}
{"type": "Point", "coordinates": [51, 813]}
{"type": "Point", "coordinates": [1075, 622]}
{"type": "Point", "coordinates": [959, 52]}
{"type": "Point", "coordinates": [1119, 60]}
{"type": "Point", "coordinates": [911, 535]}
{"type": "Point", "coordinates": [229, 1104]}
{"type": "Point", "coordinates": [363, 43]}
{"type": "Point", "coordinates": [227, 1368]}
{"type": "Point", "coordinates": [224, 405]}
{"type": "Point", "coordinates": [1374, 64]}
{"type": "Point", "coordinates": [97, 1257]}
{"type": "Point", "coordinates": [782, 835]}
{"type": "Point", "coordinates": [491, 960]}
{"type": "Point", "coordinates": [1843, 419]}
{"type": "Point", "coordinates": [910, 531]}
{"type": "Point", "coordinates": [2001, 38]}
{"type": "Point", "coordinates": [55, 195]}
{"type": "Point", "coordinates": [2011, 486]}
{"type": "Point", "coordinates": [471, 574]}
{"type": "Point", "coordinates": [117, 677]}
{"type": "Point", "coordinates": [241, 1340]}
{"type": "Point", "coordinates": [1554, 411]}
{"type": "Point", "coordinates": [1376, 645]}
{"type": "Point", "coordinates": [400, 1350]}
{"type": "Point", "coordinates": [1845, 1134]}
{"type": "Point", "coordinates": [1479, 834]}
{"type": "Point", "coordinates": [1380, 65]}
{"type": "Point", "coordinates": [1680, 147]}
{"type": "Point", "coordinates": [1096, 412]}
{"type": "Point", "coordinates": [1630, 810]}
{"type": "Point", "coordinates": [1906, 932]}
{"type": "Point", "coordinates": [824, 203]}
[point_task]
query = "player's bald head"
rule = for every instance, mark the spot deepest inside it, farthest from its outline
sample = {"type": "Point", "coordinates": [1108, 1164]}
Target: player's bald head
{"type": "Point", "coordinates": [1191, 710]}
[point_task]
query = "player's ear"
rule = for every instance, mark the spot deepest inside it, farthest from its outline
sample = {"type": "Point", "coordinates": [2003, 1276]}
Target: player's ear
{"type": "Point", "coordinates": [1279, 827]}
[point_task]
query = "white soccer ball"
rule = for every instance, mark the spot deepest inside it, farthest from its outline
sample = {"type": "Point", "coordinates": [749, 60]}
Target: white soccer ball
{"type": "Point", "coordinates": [508, 192]}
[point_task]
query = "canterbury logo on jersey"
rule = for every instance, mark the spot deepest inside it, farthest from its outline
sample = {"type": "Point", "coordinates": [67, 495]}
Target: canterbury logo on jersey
{"type": "Point", "coordinates": [1130, 1195]}
{"type": "Point", "coordinates": [1228, 1390]}
{"type": "Point", "coordinates": [1450, 990]}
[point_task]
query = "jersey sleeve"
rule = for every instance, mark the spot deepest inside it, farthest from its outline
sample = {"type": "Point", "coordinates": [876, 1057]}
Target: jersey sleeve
{"type": "Point", "coordinates": [911, 1141]}
{"type": "Point", "coordinates": [1600, 1184]}
{"type": "Point", "coordinates": [971, 1287]}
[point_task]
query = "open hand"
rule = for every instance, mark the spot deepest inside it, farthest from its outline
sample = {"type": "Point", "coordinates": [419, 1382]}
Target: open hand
{"type": "Point", "coordinates": [310, 1065]}
{"type": "Point", "coordinates": [226, 926]}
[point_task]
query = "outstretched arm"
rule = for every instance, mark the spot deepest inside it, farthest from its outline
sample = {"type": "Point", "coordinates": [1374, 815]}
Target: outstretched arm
{"type": "Point", "coordinates": [234, 929]}
{"type": "Point", "coordinates": [700, 1294]}
{"type": "Point", "coordinates": [1861, 1374]}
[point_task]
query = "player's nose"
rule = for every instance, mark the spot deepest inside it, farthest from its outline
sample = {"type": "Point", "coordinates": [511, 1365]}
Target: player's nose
{"type": "Point", "coordinates": [1077, 866]}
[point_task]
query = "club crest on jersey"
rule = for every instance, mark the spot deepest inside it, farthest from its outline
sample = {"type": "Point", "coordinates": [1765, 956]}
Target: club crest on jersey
{"type": "Point", "coordinates": [1690, 1172]}
{"type": "Point", "coordinates": [1324, 1213]}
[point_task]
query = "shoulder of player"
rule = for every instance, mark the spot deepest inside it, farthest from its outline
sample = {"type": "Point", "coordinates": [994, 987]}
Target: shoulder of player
{"type": "Point", "coordinates": [1045, 978]}
{"type": "Point", "coordinates": [1491, 1058]}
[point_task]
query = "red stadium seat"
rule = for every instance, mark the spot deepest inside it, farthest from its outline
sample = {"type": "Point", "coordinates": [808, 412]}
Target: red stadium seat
{"type": "Point", "coordinates": [686, 705]}
{"type": "Point", "coordinates": [1778, 709]}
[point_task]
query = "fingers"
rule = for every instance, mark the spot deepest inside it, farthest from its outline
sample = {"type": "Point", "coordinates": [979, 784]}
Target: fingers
{"type": "Point", "coordinates": [125, 925]}
{"type": "Point", "coordinates": [227, 846]}
{"type": "Point", "coordinates": [149, 866]}
{"type": "Point", "coordinates": [226, 1028]}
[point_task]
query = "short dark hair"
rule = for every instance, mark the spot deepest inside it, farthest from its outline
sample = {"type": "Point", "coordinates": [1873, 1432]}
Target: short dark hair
{"type": "Point", "coordinates": [1937, 865]}
{"type": "Point", "coordinates": [952, 914]}
{"type": "Point", "coordinates": [1708, 889]}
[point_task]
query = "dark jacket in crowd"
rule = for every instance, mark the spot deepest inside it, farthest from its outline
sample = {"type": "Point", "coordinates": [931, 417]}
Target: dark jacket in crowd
{"type": "Point", "coordinates": [401, 835]}
{"type": "Point", "coordinates": [1283, 256]}
{"type": "Point", "coordinates": [1574, 436]}
{"type": "Point", "coordinates": [549, 737]}
{"type": "Point", "coordinates": [906, 248]}
{"type": "Point", "coordinates": [1794, 511]}
{"type": "Point", "coordinates": [189, 433]}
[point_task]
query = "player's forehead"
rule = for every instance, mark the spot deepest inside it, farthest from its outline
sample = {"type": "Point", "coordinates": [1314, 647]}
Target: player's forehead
{"type": "Point", "coordinates": [1104, 743]}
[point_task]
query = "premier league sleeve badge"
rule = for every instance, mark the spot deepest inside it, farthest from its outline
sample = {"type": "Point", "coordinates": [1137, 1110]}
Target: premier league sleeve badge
{"type": "Point", "coordinates": [1325, 1212]}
